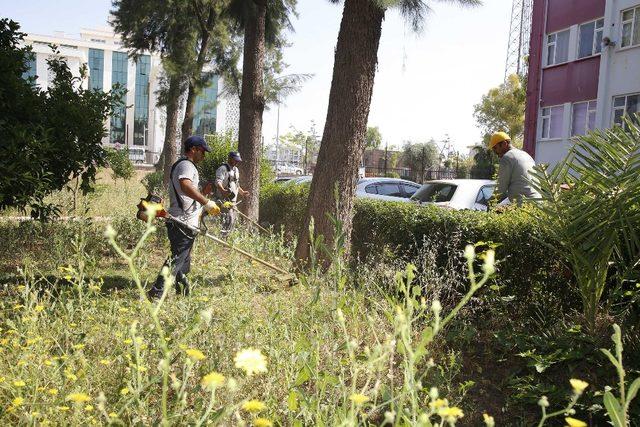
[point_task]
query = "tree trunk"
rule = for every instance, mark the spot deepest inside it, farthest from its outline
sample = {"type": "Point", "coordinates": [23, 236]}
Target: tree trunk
{"type": "Point", "coordinates": [170, 150]}
{"type": "Point", "coordinates": [187, 123]}
{"type": "Point", "coordinates": [252, 106]}
{"type": "Point", "coordinates": [343, 140]}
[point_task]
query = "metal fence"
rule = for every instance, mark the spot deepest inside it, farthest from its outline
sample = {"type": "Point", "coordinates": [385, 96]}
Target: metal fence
{"type": "Point", "coordinates": [421, 176]}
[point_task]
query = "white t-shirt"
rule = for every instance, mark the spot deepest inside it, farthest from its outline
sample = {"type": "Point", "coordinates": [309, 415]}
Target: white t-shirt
{"type": "Point", "coordinates": [190, 208]}
{"type": "Point", "coordinates": [229, 178]}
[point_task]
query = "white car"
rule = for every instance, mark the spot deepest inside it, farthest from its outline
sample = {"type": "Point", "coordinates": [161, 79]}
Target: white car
{"type": "Point", "coordinates": [390, 189]}
{"type": "Point", "coordinates": [289, 170]}
{"type": "Point", "coordinates": [473, 194]}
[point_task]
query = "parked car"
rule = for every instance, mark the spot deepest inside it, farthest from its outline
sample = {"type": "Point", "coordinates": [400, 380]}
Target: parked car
{"type": "Point", "coordinates": [473, 194]}
{"type": "Point", "coordinates": [391, 189]}
{"type": "Point", "coordinates": [289, 169]}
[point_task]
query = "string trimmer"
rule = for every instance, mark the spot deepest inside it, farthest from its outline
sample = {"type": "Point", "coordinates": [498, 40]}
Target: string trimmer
{"type": "Point", "coordinates": [234, 206]}
{"type": "Point", "coordinates": [285, 276]}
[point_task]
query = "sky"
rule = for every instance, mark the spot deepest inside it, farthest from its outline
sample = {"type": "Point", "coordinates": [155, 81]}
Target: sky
{"type": "Point", "coordinates": [425, 87]}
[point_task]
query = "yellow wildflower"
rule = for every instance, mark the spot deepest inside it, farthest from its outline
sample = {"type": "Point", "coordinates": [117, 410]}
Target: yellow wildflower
{"type": "Point", "coordinates": [124, 391]}
{"type": "Point", "coordinates": [195, 354]}
{"type": "Point", "coordinates": [41, 389]}
{"type": "Point", "coordinates": [488, 420]}
{"type": "Point", "coordinates": [48, 362]}
{"type": "Point", "coordinates": [38, 308]}
{"type": "Point", "coordinates": [453, 412]}
{"type": "Point", "coordinates": [359, 399]}
{"type": "Point", "coordinates": [88, 408]}
{"type": "Point", "coordinates": [439, 403]}
{"type": "Point", "coordinates": [53, 391]}
{"type": "Point", "coordinates": [17, 401]}
{"type": "Point", "coordinates": [212, 380]}
{"type": "Point", "coordinates": [572, 422]}
{"type": "Point", "coordinates": [578, 385]}
{"type": "Point", "coordinates": [253, 406]}
{"type": "Point", "coordinates": [251, 361]}
{"type": "Point", "coordinates": [63, 408]}
{"type": "Point", "coordinates": [113, 415]}
{"type": "Point", "coordinates": [70, 375]}
{"type": "Point", "coordinates": [262, 422]}
{"type": "Point", "coordinates": [128, 341]}
{"type": "Point", "coordinates": [105, 362]}
{"type": "Point", "coordinates": [19, 383]}
{"type": "Point", "coordinates": [78, 397]}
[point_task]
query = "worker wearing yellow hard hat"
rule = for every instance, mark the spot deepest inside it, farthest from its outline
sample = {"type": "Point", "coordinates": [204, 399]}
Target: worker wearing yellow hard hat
{"type": "Point", "coordinates": [497, 138]}
{"type": "Point", "coordinates": [514, 172]}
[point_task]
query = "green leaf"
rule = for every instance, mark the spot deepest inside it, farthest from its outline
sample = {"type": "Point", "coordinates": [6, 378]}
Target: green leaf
{"type": "Point", "coordinates": [303, 376]}
{"type": "Point", "coordinates": [614, 410]}
{"type": "Point", "coordinates": [633, 390]}
{"type": "Point", "coordinates": [613, 360]}
{"type": "Point", "coordinates": [292, 401]}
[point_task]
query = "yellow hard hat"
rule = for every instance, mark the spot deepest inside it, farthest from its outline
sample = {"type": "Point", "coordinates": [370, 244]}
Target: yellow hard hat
{"type": "Point", "coordinates": [497, 138]}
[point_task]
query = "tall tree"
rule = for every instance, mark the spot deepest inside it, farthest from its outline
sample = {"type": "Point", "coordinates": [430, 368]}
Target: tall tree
{"type": "Point", "coordinates": [343, 140]}
{"type": "Point", "coordinates": [373, 137]}
{"type": "Point", "coordinates": [421, 156]}
{"type": "Point", "coordinates": [263, 23]}
{"type": "Point", "coordinates": [165, 27]}
{"type": "Point", "coordinates": [216, 45]}
{"type": "Point", "coordinates": [502, 109]}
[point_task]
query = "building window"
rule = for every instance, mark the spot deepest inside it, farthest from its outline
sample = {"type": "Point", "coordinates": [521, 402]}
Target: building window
{"type": "Point", "coordinates": [625, 105]}
{"type": "Point", "coordinates": [583, 117]}
{"type": "Point", "coordinates": [96, 68]}
{"type": "Point", "coordinates": [30, 64]}
{"type": "Point", "coordinates": [119, 66]}
{"type": "Point", "coordinates": [631, 27]}
{"type": "Point", "coordinates": [204, 121]}
{"type": "Point", "coordinates": [552, 122]}
{"type": "Point", "coordinates": [141, 109]}
{"type": "Point", "coordinates": [590, 38]}
{"type": "Point", "coordinates": [558, 47]}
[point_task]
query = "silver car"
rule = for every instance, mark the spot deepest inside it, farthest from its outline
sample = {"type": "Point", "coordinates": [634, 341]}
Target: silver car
{"type": "Point", "coordinates": [473, 194]}
{"type": "Point", "coordinates": [391, 189]}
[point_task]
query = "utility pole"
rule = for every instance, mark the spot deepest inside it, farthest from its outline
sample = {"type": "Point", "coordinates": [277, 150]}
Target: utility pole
{"type": "Point", "coordinates": [386, 151]}
{"type": "Point", "coordinates": [277, 137]}
{"type": "Point", "coordinates": [423, 159]}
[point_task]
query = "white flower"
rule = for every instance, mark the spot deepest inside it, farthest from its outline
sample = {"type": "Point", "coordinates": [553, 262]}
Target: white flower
{"type": "Point", "coordinates": [489, 262]}
{"type": "Point", "coordinates": [469, 252]}
{"type": "Point", "coordinates": [109, 232]}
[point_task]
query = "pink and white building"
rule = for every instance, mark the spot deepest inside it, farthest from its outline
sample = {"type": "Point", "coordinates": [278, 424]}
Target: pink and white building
{"type": "Point", "coordinates": [584, 71]}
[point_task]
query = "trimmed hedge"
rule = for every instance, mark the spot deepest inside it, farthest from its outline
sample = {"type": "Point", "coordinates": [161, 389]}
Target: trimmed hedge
{"type": "Point", "coordinates": [403, 228]}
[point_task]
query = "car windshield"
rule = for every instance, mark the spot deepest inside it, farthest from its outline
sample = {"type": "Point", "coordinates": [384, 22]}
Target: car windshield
{"type": "Point", "coordinates": [436, 192]}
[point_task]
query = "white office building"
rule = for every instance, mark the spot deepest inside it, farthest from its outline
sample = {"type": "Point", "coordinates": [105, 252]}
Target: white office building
{"type": "Point", "coordinates": [140, 124]}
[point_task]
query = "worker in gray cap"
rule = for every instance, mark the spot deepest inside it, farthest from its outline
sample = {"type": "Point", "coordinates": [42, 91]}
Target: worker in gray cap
{"type": "Point", "coordinates": [228, 189]}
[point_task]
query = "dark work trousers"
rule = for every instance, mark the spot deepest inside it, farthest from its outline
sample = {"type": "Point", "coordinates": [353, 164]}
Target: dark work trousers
{"type": "Point", "coordinates": [181, 240]}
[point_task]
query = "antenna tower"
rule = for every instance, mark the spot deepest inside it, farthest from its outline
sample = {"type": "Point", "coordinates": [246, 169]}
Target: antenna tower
{"type": "Point", "coordinates": [519, 35]}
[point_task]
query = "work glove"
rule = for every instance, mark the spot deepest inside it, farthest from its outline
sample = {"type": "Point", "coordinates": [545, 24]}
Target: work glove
{"type": "Point", "coordinates": [212, 208]}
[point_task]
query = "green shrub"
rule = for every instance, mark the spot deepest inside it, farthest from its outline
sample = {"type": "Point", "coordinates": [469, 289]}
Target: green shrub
{"type": "Point", "coordinates": [283, 206]}
{"type": "Point", "coordinates": [51, 137]}
{"type": "Point", "coordinates": [404, 228]}
{"type": "Point", "coordinates": [153, 183]}
{"type": "Point", "coordinates": [120, 164]}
